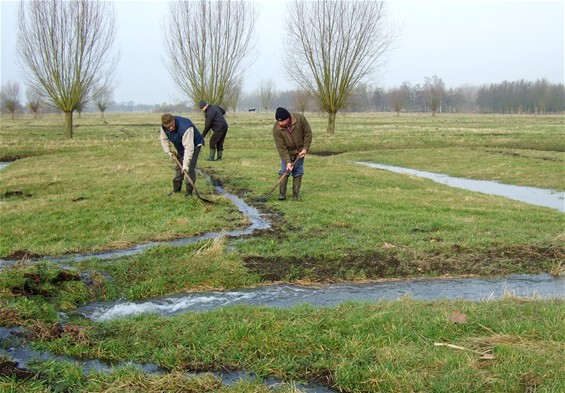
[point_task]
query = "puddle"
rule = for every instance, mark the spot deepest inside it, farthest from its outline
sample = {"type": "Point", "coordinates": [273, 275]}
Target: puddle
{"type": "Point", "coordinates": [531, 195]}
{"type": "Point", "coordinates": [286, 296]}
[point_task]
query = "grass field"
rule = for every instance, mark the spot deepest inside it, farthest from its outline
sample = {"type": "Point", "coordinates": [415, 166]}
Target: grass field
{"type": "Point", "coordinates": [107, 189]}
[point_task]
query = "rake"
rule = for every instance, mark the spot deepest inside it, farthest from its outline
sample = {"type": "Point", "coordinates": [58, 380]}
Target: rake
{"type": "Point", "coordinates": [264, 197]}
{"type": "Point", "coordinates": [188, 179]}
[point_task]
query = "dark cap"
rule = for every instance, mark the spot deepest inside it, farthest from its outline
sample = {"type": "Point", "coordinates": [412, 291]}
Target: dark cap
{"type": "Point", "coordinates": [202, 104]}
{"type": "Point", "coordinates": [281, 114]}
{"type": "Point", "coordinates": [167, 119]}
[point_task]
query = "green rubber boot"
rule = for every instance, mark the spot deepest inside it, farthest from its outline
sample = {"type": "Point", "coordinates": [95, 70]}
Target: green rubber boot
{"type": "Point", "coordinates": [282, 188]}
{"type": "Point", "coordinates": [296, 183]}
{"type": "Point", "coordinates": [212, 154]}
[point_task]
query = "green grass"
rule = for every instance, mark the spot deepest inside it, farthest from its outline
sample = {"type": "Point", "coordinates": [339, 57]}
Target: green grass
{"type": "Point", "coordinates": [107, 189]}
{"type": "Point", "coordinates": [357, 347]}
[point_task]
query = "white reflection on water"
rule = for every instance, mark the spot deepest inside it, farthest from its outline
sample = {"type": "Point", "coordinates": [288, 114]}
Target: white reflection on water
{"type": "Point", "coordinates": [531, 195]}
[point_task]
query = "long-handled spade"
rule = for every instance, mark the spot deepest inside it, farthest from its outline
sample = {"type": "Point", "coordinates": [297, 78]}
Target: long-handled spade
{"type": "Point", "coordinates": [188, 179]}
{"type": "Point", "coordinates": [264, 197]}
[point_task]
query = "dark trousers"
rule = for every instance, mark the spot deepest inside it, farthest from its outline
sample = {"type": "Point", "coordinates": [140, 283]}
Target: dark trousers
{"type": "Point", "coordinates": [179, 176]}
{"type": "Point", "coordinates": [217, 139]}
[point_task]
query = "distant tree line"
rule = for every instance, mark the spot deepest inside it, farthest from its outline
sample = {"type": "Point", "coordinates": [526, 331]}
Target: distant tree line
{"type": "Point", "coordinates": [433, 97]}
{"type": "Point", "coordinates": [429, 97]}
{"type": "Point", "coordinates": [507, 97]}
{"type": "Point", "coordinates": [521, 97]}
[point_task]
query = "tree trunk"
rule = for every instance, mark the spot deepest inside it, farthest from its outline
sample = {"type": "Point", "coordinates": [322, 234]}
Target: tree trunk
{"type": "Point", "coordinates": [69, 124]}
{"type": "Point", "coordinates": [331, 123]}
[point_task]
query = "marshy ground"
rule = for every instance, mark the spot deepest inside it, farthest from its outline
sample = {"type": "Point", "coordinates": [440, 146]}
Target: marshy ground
{"type": "Point", "coordinates": [352, 224]}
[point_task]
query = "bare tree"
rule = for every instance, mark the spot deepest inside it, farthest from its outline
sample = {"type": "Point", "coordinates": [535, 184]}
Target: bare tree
{"type": "Point", "coordinates": [540, 91]}
{"type": "Point", "coordinates": [208, 42]}
{"type": "Point", "coordinates": [34, 100]}
{"type": "Point", "coordinates": [233, 95]}
{"type": "Point", "coordinates": [301, 99]}
{"type": "Point", "coordinates": [358, 100]}
{"type": "Point", "coordinates": [435, 92]}
{"type": "Point", "coordinates": [333, 45]}
{"type": "Point", "coordinates": [398, 99]}
{"type": "Point", "coordinates": [267, 91]}
{"type": "Point", "coordinates": [10, 97]}
{"type": "Point", "coordinates": [65, 48]}
{"type": "Point", "coordinates": [103, 98]}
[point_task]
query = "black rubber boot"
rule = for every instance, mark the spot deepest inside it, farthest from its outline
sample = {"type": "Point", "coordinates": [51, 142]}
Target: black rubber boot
{"type": "Point", "coordinates": [212, 154]}
{"type": "Point", "coordinates": [188, 192]}
{"type": "Point", "coordinates": [296, 183]}
{"type": "Point", "coordinates": [219, 158]}
{"type": "Point", "coordinates": [282, 188]}
{"type": "Point", "coordinates": [176, 187]}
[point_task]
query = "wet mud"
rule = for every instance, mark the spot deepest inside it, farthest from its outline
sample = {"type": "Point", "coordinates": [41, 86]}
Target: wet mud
{"type": "Point", "coordinates": [382, 265]}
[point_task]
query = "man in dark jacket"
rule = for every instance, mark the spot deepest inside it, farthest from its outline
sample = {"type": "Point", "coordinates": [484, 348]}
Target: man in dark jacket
{"type": "Point", "coordinates": [187, 141]}
{"type": "Point", "coordinates": [215, 121]}
{"type": "Point", "coordinates": [293, 137]}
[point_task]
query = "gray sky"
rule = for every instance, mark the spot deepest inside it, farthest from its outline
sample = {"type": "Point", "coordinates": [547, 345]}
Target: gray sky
{"type": "Point", "coordinates": [462, 42]}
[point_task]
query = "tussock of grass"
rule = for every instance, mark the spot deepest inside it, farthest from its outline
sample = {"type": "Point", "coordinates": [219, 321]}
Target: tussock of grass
{"type": "Point", "coordinates": [164, 270]}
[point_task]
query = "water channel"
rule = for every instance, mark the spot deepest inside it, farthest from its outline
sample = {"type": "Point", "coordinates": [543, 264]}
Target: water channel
{"type": "Point", "coordinates": [285, 296]}
{"type": "Point", "coordinates": [531, 195]}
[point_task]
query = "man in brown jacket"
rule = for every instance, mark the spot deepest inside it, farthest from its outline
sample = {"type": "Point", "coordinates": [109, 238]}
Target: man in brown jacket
{"type": "Point", "coordinates": [293, 137]}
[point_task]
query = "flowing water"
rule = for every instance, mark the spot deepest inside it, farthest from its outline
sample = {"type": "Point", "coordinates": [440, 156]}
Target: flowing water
{"type": "Point", "coordinates": [15, 347]}
{"type": "Point", "coordinates": [531, 195]}
{"type": "Point", "coordinates": [256, 222]}
{"type": "Point", "coordinates": [285, 296]}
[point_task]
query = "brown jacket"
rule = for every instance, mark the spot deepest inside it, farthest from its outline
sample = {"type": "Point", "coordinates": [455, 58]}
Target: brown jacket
{"type": "Point", "coordinates": [300, 137]}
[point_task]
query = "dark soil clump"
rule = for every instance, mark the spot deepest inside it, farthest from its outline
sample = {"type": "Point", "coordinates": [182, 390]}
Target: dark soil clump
{"type": "Point", "coordinates": [11, 369]}
{"type": "Point", "coordinates": [16, 194]}
{"type": "Point", "coordinates": [9, 158]}
{"type": "Point", "coordinates": [325, 153]}
{"type": "Point", "coordinates": [389, 264]}
{"type": "Point", "coordinates": [21, 255]}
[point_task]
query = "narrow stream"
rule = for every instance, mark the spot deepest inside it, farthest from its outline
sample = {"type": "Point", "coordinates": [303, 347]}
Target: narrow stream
{"type": "Point", "coordinates": [256, 222]}
{"type": "Point", "coordinates": [286, 296]}
{"type": "Point", "coordinates": [16, 348]}
{"type": "Point", "coordinates": [531, 195]}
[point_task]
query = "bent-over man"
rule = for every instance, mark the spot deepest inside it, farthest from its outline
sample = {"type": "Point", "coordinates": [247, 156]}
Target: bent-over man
{"type": "Point", "coordinates": [187, 140]}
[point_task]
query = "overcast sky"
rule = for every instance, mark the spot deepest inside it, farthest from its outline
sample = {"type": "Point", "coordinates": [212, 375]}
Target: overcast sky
{"type": "Point", "coordinates": [462, 42]}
